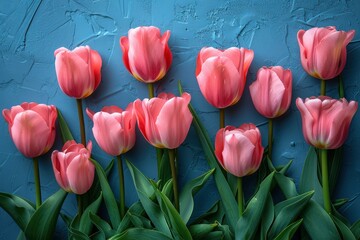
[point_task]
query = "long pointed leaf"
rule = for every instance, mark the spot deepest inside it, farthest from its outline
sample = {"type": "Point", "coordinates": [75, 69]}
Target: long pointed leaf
{"type": "Point", "coordinates": [344, 230]}
{"type": "Point", "coordinates": [355, 229]}
{"type": "Point", "coordinates": [42, 224]}
{"type": "Point", "coordinates": [64, 128]}
{"type": "Point", "coordinates": [109, 198]}
{"type": "Point", "coordinates": [289, 231]}
{"type": "Point", "coordinates": [140, 233]}
{"type": "Point", "coordinates": [85, 222]}
{"type": "Point", "coordinates": [249, 221]}
{"type": "Point", "coordinates": [18, 208]}
{"type": "Point", "coordinates": [102, 225]}
{"type": "Point", "coordinates": [186, 195]}
{"type": "Point", "coordinates": [268, 217]}
{"type": "Point", "coordinates": [223, 187]}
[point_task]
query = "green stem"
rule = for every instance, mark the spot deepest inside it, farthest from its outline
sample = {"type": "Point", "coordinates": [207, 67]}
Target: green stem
{"type": "Point", "coordinates": [323, 87]}
{"type": "Point", "coordinates": [325, 179]}
{"type": "Point", "coordinates": [151, 90]}
{"type": "Point", "coordinates": [222, 117]}
{"type": "Point", "coordinates": [80, 202]}
{"type": "Point", "coordinates": [341, 87]}
{"type": "Point", "coordinates": [174, 177]}
{"type": "Point", "coordinates": [81, 121]}
{"type": "Point", "coordinates": [122, 186]}
{"type": "Point", "coordinates": [270, 137]}
{"type": "Point", "coordinates": [159, 155]}
{"type": "Point", "coordinates": [240, 196]}
{"type": "Point", "coordinates": [37, 182]}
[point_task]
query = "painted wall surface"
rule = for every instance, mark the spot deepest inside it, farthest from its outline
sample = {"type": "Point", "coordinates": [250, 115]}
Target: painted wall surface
{"type": "Point", "coordinates": [30, 31]}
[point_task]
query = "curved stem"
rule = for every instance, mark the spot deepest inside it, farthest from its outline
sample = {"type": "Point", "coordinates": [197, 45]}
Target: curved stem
{"type": "Point", "coordinates": [37, 182]}
{"type": "Point", "coordinates": [122, 186]}
{"type": "Point", "coordinates": [151, 90]}
{"type": "Point", "coordinates": [81, 121]}
{"type": "Point", "coordinates": [325, 179]}
{"type": "Point", "coordinates": [341, 87]}
{"type": "Point", "coordinates": [240, 196]}
{"type": "Point", "coordinates": [174, 177]}
{"type": "Point", "coordinates": [270, 137]}
{"type": "Point", "coordinates": [323, 87]}
{"type": "Point", "coordinates": [222, 117]}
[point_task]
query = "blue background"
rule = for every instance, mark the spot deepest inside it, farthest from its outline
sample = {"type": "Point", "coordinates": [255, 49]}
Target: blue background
{"type": "Point", "coordinates": [30, 31]}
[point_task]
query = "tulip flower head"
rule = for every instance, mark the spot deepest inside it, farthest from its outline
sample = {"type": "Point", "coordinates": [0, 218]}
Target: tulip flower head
{"type": "Point", "coordinates": [27, 122]}
{"type": "Point", "coordinates": [239, 150]}
{"type": "Point", "coordinates": [323, 51]}
{"type": "Point", "coordinates": [326, 121]}
{"type": "Point", "coordinates": [146, 53]}
{"type": "Point", "coordinates": [72, 167]}
{"type": "Point", "coordinates": [114, 129]}
{"type": "Point", "coordinates": [78, 71]}
{"type": "Point", "coordinates": [221, 75]}
{"type": "Point", "coordinates": [271, 92]}
{"type": "Point", "coordinates": [164, 121]}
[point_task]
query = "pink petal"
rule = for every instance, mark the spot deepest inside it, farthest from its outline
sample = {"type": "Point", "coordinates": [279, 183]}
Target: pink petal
{"type": "Point", "coordinates": [80, 174]}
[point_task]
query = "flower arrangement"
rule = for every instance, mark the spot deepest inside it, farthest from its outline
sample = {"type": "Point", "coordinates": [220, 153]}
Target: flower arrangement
{"type": "Point", "coordinates": [164, 211]}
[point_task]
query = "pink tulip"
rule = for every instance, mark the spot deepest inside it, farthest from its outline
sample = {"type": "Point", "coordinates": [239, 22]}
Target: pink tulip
{"type": "Point", "coordinates": [271, 92]}
{"type": "Point", "coordinates": [32, 127]}
{"type": "Point", "coordinates": [239, 150]}
{"type": "Point", "coordinates": [114, 129]}
{"type": "Point", "coordinates": [165, 120]}
{"type": "Point", "coordinates": [326, 121]}
{"type": "Point", "coordinates": [73, 170]}
{"type": "Point", "coordinates": [323, 51]}
{"type": "Point", "coordinates": [146, 53]}
{"type": "Point", "coordinates": [78, 71]}
{"type": "Point", "coordinates": [221, 74]}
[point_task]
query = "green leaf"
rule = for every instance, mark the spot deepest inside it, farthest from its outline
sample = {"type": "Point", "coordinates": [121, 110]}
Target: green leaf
{"type": "Point", "coordinates": [228, 200]}
{"type": "Point", "coordinates": [67, 219]}
{"type": "Point", "coordinates": [286, 167]}
{"type": "Point", "coordinates": [337, 203]}
{"type": "Point", "coordinates": [109, 198]}
{"type": "Point", "coordinates": [187, 193]}
{"type": "Point", "coordinates": [287, 211]}
{"type": "Point", "coordinates": [335, 166]}
{"type": "Point", "coordinates": [267, 218]}
{"type": "Point", "coordinates": [309, 178]}
{"type": "Point", "coordinates": [344, 230]}
{"type": "Point", "coordinates": [21, 236]}
{"type": "Point", "coordinates": [136, 209]}
{"type": "Point", "coordinates": [289, 231]}
{"type": "Point", "coordinates": [213, 214]}
{"type": "Point", "coordinates": [18, 208]}
{"type": "Point", "coordinates": [168, 188]}
{"type": "Point", "coordinates": [249, 221]}
{"type": "Point", "coordinates": [139, 233]}
{"type": "Point", "coordinates": [355, 229]}
{"type": "Point", "coordinates": [146, 195]}
{"type": "Point", "coordinates": [42, 224]}
{"type": "Point", "coordinates": [316, 220]}
{"type": "Point", "coordinates": [140, 221]}
{"type": "Point", "coordinates": [102, 225]}
{"type": "Point", "coordinates": [286, 185]}
{"type": "Point", "coordinates": [85, 222]}
{"type": "Point", "coordinates": [174, 219]}
{"type": "Point", "coordinates": [64, 129]}
{"type": "Point", "coordinates": [164, 168]}
{"type": "Point", "coordinates": [199, 231]}
{"type": "Point", "coordinates": [77, 235]}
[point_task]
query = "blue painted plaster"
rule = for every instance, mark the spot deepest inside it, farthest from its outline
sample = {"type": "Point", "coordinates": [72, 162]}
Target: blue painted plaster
{"type": "Point", "coordinates": [30, 31]}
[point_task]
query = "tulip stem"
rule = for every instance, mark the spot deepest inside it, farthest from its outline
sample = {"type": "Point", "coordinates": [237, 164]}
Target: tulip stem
{"type": "Point", "coordinates": [325, 179]}
{"type": "Point", "coordinates": [323, 88]}
{"type": "Point", "coordinates": [341, 87]}
{"type": "Point", "coordinates": [222, 117]}
{"type": "Point", "coordinates": [270, 137]}
{"type": "Point", "coordinates": [37, 182]}
{"type": "Point", "coordinates": [122, 186]}
{"type": "Point", "coordinates": [81, 121]}
{"type": "Point", "coordinates": [240, 196]}
{"type": "Point", "coordinates": [151, 90]}
{"type": "Point", "coordinates": [80, 203]}
{"type": "Point", "coordinates": [174, 177]}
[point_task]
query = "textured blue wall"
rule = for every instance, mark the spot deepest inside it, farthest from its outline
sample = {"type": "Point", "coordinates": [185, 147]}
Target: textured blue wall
{"type": "Point", "coordinates": [30, 31]}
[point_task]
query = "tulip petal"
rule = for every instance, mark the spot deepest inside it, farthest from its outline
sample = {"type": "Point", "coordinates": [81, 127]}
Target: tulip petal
{"type": "Point", "coordinates": [59, 163]}
{"type": "Point", "coordinates": [80, 174]}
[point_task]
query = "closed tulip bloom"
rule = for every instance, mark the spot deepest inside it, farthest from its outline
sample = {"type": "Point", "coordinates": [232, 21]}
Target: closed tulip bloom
{"type": "Point", "coordinates": [78, 71]}
{"type": "Point", "coordinates": [221, 74]}
{"type": "Point", "coordinates": [239, 150]}
{"type": "Point", "coordinates": [114, 129]}
{"type": "Point", "coordinates": [271, 92]}
{"type": "Point", "coordinates": [326, 121]}
{"type": "Point", "coordinates": [32, 127]}
{"type": "Point", "coordinates": [72, 167]}
{"type": "Point", "coordinates": [323, 51]}
{"type": "Point", "coordinates": [164, 121]}
{"type": "Point", "coordinates": [146, 53]}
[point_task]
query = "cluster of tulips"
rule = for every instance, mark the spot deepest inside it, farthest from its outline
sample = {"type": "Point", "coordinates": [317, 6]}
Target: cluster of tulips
{"type": "Point", "coordinates": [164, 120]}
